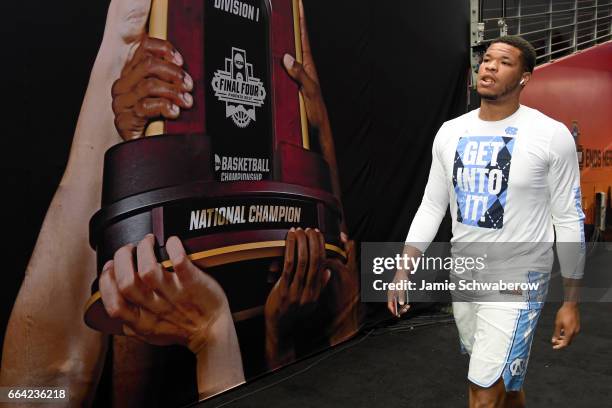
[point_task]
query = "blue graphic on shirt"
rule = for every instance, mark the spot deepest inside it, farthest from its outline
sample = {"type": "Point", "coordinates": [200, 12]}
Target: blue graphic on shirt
{"type": "Point", "coordinates": [511, 131]}
{"type": "Point", "coordinates": [578, 204]}
{"type": "Point", "coordinates": [480, 178]}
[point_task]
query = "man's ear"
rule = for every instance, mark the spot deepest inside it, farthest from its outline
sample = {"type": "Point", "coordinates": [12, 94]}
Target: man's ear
{"type": "Point", "coordinates": [525, 78]}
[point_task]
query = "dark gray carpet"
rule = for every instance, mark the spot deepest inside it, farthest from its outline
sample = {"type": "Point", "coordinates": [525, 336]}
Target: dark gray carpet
{"type": "Point", "coordinates": [396, 366]}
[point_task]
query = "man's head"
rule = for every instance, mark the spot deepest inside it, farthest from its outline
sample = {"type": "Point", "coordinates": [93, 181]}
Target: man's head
{"type": "Point", "coordinates": [506, 67]}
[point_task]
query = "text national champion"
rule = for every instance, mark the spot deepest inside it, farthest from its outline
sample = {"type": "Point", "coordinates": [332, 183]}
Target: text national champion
{"type": "Point", "coordinates": [241, 214]}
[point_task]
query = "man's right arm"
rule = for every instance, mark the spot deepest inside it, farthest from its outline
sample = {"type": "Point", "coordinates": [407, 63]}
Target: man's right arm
{"type": "Point", "coordinates": [425, 223]}
{"type": "Point", "coordinates": [435, 201]}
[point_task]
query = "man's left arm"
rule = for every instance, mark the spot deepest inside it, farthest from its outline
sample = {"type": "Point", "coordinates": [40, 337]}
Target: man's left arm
{"type": "Point", "coordinates": [568, 221]}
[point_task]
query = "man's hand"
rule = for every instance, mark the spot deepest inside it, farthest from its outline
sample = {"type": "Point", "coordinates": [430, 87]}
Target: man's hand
{"type": "Point", "coordinates": [296, 293]}
{"type": "Point", "coordinates": [185, 307]}
{"type": "Point", "coordinates": [397, 301]}
{"type": "Point", "coordinates": [305, 74]}
{"type": "Point", "coordinates": [152, 85]}
{"type": "Point", "coordinates": [160, 307]}
{"type": "Point", "coordinates": [342, 293]}
{"type": "Point", "coordinates": [126, 23]}
{"type": "Point", "coordinates": [127, 19]}
{"type": "Point", "coordinates": [567, 325]}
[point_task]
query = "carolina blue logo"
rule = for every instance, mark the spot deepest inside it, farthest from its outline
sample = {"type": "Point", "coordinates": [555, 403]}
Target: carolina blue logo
{"type": "Point", "coordinates": [480, 178]}
{"type": "Point", "coordinates": [511, 131]}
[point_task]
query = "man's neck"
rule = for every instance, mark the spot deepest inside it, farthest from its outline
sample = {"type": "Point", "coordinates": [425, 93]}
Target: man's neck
{"type": "Point", "coordinates": [497, 110]}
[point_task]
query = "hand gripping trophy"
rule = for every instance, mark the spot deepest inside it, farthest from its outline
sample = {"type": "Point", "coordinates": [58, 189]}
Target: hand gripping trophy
{"type": "Point", "coordinates": [235, 172]}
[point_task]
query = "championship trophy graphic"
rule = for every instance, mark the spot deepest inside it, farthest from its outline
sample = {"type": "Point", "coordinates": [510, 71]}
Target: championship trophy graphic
{"type": "Point", "coordinates": [233, 174]}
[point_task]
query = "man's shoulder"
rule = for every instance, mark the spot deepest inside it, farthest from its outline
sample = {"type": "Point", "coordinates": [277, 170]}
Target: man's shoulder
{"type": "Point", "coordinates": [451, 129]}
{"type": "Point", "coordinates": [537, 118]}
{"type": "Point", "coordinates": [460, 120]}
{"type": "Point", "coordinates": [550, 131]}
{"type": "Point", "coordinates": [470, 115]}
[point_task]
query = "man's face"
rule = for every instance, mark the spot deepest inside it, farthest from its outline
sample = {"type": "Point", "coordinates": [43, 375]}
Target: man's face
{"type": "Point", "coordinates": [500, 73]}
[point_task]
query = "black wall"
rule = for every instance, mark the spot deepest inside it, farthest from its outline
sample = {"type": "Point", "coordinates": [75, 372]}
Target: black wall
{"type": "Point", "coordinates": [391, 73]}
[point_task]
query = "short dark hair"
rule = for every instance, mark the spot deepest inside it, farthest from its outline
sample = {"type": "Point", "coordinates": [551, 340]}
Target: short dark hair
{"type": "Point", "coordinates": [528, 53]}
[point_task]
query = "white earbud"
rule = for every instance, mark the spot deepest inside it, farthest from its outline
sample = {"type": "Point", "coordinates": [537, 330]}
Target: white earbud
{"type": "Point", "coordinates": [522, 82]}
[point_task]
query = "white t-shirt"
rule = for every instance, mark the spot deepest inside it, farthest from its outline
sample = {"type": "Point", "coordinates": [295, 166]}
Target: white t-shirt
{"type": "Point", "coordinates": [514, 180]}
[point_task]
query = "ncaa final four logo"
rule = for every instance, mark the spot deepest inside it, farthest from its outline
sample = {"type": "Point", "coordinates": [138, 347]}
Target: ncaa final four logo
{"type": "Point", "coordinates": [241, 91]}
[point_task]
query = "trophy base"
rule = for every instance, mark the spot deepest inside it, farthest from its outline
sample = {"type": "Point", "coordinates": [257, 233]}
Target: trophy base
{"type": "Point", "coordinates": [253, 260]}
{"type": "Point", "coordinates": [169, 186]}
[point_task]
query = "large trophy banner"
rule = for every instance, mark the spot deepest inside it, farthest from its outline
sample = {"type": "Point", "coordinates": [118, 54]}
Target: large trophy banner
{"type": "Point", "coordinates": [233, 174]}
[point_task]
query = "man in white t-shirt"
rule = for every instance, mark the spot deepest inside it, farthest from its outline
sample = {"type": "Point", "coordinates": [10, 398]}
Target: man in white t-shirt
{"type": "Point", "coordinates": [510, 175]}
